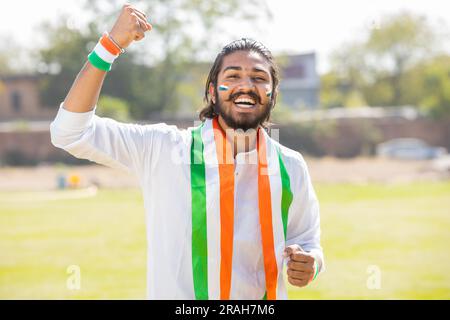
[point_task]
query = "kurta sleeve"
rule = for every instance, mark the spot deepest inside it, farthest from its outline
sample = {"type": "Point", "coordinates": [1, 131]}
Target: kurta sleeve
{"type": "Point", "coordinates": [304, 217]}
{"type": "Point", "coordinates": [105, 141]}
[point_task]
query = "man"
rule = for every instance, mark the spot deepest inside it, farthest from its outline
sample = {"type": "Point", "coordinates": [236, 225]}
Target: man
{"type": "Point", "coordinates": [226, 205]}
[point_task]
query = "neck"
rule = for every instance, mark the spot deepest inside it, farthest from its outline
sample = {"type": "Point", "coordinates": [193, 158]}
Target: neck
{"type": "Point", "coordinates": [242, 141]}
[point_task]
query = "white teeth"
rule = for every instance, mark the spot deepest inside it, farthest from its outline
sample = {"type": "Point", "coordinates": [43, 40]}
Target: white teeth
{"type": "Point", "coordinates": [244, 100]}
{"type": "Point", "coordinates": [246, 106]}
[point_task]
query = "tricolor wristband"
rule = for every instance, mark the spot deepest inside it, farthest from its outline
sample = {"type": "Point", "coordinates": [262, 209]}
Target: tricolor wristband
{"type": "Point", "coordinates": [104, 53]}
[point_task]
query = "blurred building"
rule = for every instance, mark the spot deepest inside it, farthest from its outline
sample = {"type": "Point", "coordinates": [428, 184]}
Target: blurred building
{"type": "Point", "coordinates": [24, 123]}
{"type": "Point", "coordinates": [300, 83]}
{"type": "Point", "coordinates": [19, 99]}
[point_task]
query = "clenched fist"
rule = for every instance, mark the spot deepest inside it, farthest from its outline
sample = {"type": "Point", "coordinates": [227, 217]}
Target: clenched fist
{"type": "Point", "coordinates": [301, 267]}
{"type": "Point", "coordinates": [130, 26]}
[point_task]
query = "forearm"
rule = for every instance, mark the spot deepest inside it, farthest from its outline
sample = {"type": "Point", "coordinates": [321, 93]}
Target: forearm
{"type": "Point", "coordinates": [85, 91]}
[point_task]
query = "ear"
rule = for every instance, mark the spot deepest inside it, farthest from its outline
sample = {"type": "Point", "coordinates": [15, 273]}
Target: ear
{"type": "Point", "coordinates": [212, 93]}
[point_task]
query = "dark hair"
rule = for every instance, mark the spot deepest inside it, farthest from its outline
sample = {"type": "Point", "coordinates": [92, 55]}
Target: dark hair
{"type": "Point", "coordinates": [243, 44]}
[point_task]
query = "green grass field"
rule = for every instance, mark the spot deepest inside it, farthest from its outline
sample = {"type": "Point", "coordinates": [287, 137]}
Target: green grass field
{"type": "Point", "coordinates": [403, 230]}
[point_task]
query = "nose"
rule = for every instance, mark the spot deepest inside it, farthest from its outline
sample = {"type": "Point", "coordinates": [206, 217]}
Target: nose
{"type": "Point", "coordinates": [246, 84]}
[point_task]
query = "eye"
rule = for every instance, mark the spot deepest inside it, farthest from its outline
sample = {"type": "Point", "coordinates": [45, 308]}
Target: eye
{"type": "Point", "coordinates": [232, 76]}
{"type": "Point", "coordinates": [259, 78]}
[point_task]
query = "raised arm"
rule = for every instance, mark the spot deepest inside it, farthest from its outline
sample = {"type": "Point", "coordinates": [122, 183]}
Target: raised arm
{"type": "Point", "coordinates": [130, 26]}
{"type": "Point", "coordinates": [79, 131]}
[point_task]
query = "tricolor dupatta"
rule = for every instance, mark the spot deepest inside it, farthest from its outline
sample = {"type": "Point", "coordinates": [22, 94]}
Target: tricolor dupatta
{"type": "Point", "coordinates": [212, 190]}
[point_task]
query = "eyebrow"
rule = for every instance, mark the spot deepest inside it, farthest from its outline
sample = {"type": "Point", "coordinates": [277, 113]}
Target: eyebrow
{"type": "Point", "coordinates": [240, 69]}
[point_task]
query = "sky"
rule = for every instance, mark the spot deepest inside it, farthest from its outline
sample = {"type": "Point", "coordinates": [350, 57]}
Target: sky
{"type": "Point", "coordinates": [297, 26]}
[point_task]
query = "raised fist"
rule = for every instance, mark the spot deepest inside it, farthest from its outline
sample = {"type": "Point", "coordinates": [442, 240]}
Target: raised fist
{"type": "Point", "coordinates": [130, 26]}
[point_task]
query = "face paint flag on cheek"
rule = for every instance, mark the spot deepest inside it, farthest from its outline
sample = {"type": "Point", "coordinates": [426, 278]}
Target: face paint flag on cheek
{"type": "Point", "coordinates": [269, 94]}
{"type": "Point", "coordinates": [223, 87]}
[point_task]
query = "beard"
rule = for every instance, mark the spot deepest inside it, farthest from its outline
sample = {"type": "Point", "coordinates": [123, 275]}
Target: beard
{"type": "Point", "coordinates": [243, 121]}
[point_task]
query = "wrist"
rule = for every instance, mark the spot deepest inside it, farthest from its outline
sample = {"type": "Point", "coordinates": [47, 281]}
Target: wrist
{"type": "Point", "coordinates": [315, 272]}
{"type": "Point", "coordinates": [119, 40]}
{"type": "Point", "coordinates": [122, 50]}
{"type": "Point", "coordinates": [104, 53]}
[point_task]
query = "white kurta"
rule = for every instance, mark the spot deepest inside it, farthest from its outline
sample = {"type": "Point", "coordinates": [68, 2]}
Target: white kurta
{"type": "Point", "coordinates": [157, 155]}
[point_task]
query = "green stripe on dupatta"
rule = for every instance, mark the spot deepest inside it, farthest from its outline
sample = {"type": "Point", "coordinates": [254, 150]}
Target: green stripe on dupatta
{"type": "Point", "coordinates": [286, 195]}
{"type": "Point", "coordinates": [199, 231]}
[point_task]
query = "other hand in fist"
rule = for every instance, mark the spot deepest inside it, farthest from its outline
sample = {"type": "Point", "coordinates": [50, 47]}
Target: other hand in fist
{"type": "Point", "coordinates": [301, 267]}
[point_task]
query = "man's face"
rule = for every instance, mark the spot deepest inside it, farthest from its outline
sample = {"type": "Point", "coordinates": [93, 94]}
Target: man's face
{"type": "Point", "coordinates": [245, 103]}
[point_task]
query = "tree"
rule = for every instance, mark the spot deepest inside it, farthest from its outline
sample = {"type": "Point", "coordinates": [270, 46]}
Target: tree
{"type": "Point", "coordinates": [343, 85]}
{"type": "Point", "coordinates": [114, 108]}
{"type": "Point", "coordinates": [62, 59]}
{"type": "Point", "coordinates": [331, 94]}
{"type": "Point", "coordinates": [5, 65]}
{"type": "Point", "coordinates": [402, 40]}
{"type": "Point", "coordinates": [377, 69]}
{"type": "Point", "coordinates": [13, 59]}
{"type": "Point", "coordinates": [436, 87]}
{"type": "Point", "coordinates": [338, 92]}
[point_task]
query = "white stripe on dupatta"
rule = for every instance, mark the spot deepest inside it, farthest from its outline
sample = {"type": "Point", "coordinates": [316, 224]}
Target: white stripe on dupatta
{"type": "Point", "coordinates": [277, 221]}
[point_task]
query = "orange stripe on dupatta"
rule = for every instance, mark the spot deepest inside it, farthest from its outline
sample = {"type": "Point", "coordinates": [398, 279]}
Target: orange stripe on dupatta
{"type": "Point", "coordinates": [226, 174]}
{"type": "Point", "coordinates": [265, 218]}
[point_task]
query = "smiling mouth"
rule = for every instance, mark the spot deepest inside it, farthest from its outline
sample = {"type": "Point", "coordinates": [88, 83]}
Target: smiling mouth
{"type": "Point", "coordinates": [245, 103]}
